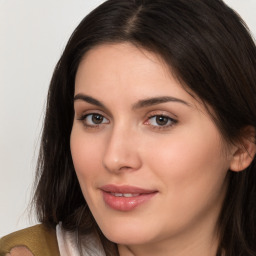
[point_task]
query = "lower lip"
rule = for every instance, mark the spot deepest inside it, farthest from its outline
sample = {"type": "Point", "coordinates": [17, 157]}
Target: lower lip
{"type": "Point", "coordinates": [126, 203]}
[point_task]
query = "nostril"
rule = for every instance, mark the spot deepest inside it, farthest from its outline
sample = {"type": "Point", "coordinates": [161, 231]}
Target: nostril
{"type": "Point", "coordinates": [130, 163]}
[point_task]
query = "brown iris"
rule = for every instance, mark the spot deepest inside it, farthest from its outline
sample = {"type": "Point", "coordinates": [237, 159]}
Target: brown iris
{"type": "Point", "coordinates": [97, 119]}
{"type": "Point", "coordinates": [162, 120]}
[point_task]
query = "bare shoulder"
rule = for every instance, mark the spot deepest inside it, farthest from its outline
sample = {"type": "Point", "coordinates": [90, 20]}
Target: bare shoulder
{"type": "Point", "coordinates": [38, 240]}
{"type": "Point", "coordinates": [20, 251]}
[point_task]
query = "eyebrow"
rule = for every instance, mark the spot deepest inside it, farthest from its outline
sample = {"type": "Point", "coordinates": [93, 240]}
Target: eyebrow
{"type": "Point", "coordinates": [140, 104]}
{"type": "Point", "coordinates": [88, 99]}
{"type": "Point", "coordinates": [157, 100]}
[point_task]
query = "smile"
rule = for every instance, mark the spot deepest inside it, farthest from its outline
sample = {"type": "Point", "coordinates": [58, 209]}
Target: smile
{"type": "Point", "coordinates": [125, 198]}
{"type": "Point", "coordinates": [124, 195]}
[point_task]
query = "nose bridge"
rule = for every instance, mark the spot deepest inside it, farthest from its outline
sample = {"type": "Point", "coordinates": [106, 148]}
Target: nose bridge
{"type": "Point", "coordinates": [121, 152]}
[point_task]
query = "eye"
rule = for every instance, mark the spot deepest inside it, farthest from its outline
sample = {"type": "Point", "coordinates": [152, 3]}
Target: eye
{"type": "Point", "coordinates": [93, 119]}
{"type": "Point", "coordinates": [161, 121]}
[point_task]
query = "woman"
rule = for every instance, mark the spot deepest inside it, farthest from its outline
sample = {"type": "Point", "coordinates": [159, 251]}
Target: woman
{"type": "Point", "coordinates": [148, 145]}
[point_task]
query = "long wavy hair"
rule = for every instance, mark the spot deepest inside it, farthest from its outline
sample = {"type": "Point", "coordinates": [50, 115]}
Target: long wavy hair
{"type": "Point", "coordinates": [209, 49]}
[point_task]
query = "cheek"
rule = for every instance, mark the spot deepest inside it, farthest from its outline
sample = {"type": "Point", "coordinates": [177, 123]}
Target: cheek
{"type": "Point", "coordinates": [190, 163]}
{"type": "Point", "coordinates": [192, 174]}
{"type": "Point", "coordinates": [85, 153]}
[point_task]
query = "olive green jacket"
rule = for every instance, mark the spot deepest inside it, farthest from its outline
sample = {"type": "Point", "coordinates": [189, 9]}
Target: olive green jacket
{"type": "Point", "coordinates": [39, 239]}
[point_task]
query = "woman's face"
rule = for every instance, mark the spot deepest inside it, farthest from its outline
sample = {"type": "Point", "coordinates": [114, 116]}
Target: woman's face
{"type": "Point", "coordinates": [150, 161]}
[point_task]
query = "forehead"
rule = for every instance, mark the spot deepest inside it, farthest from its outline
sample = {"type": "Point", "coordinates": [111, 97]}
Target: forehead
{"type": "Point", "coordinates": [123, 66]}
{"type": "Point", "coordinates": [121, 57]}
{"type": "Point", "coordinates": [122, 71]}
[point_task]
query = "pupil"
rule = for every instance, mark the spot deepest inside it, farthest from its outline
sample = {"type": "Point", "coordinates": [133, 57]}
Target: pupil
{"type": "Point", "coordinates": [97, 119]}
{"type": "Point", "coordinates": [161, 120]}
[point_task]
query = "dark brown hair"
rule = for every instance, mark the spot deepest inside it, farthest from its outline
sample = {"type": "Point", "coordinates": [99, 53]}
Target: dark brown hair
{"type": "Point", "coordinates": [209, 49]}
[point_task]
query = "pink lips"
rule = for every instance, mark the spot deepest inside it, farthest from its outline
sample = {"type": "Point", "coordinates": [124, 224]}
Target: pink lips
{"type": "Point", "coordinates": [125, 198]}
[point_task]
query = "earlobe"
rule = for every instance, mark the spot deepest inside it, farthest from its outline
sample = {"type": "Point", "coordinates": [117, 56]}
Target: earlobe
{"type": "Point", "coordinates": [244, 151]}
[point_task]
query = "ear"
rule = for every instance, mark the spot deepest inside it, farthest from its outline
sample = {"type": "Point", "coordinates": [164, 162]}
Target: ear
{"type": "Point", "coordinates": [244, 151]}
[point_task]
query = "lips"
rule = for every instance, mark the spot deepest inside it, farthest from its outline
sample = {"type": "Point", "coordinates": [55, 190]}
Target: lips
{"type": "Point", "coordinates": [124, 195]}
{"type": "Point", "coordinates": [125, 198]}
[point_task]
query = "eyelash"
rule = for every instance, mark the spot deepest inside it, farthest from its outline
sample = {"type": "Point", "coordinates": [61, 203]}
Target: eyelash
{"type": "Point", "coordinates": [92, 126]}
{"type": "Point", "coordinates": [171, 122]}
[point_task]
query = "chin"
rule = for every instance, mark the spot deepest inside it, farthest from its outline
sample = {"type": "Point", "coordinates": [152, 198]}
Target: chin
{"type": "Point", "coordinates": [129, 234]}
{"type": "Point", "coordinates": [128, 239]}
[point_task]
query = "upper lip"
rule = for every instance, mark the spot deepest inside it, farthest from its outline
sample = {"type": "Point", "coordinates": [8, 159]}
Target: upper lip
{"type": "Point", "coordinates": [125, 189]}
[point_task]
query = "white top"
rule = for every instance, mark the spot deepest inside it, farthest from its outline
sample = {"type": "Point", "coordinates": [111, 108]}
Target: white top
{"type": "Point", "coordinates": [68, 244]}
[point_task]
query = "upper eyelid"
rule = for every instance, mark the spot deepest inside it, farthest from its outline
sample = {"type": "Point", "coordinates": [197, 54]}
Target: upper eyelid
{"type": "Point", "coordinates": [147, 115]}
{"type": "Point", "coordinates": [170, 118]}
{"type": "Point", "coordinates": [84, 115]}
{"type": "Point", "coordinates": [79, 104]}
{"type": "Point", "coordinates": [90, 112]}
{"type": "Point", "coordinates": [161, 113]}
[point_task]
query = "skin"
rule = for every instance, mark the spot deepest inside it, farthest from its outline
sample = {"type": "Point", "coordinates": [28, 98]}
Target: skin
{"type": "Point", "coordinates": [20, 251]}
{"type": "Point", "coordinates": [185, 160]}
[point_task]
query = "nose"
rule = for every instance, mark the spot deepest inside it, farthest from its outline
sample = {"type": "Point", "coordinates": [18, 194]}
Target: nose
{"type": "Point", "coordinates": [121, 153]}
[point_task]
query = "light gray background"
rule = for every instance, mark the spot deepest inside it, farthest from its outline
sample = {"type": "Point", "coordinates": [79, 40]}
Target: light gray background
{"type": "Point", "coordinates": [32, 37]}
